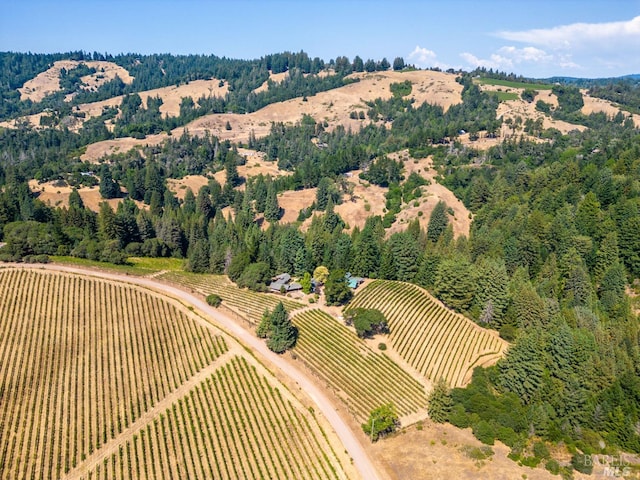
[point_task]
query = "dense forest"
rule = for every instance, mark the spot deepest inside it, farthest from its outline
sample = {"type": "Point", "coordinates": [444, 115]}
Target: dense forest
{"type": "Point", "coordinates": [553, 248]}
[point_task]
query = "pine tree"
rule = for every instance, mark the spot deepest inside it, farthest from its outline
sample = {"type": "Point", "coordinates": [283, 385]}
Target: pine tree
{"type": "Point", "coordinates": [437, 222]}
{"type": "Point", "coordinates": [198, 261]}
{"type": "Point", "coordinates": [366, 261]}
{"type": "Point", "coordinates": [109, 188]}
{"type": "Point", "coordinates": [454, 283]}
{"type": "Point", "coordinates": [271, 207]}
{"type": "Point", "coordinates": [440, 402]}
{"type": "Point", "coordinates": [322, 193]}
{"type": "Point", "coordinates": [107, 222]}
{"type": "Point", "coordinates": [387, 264]}
{"type": "Point", "coordinates": [492, 296]}
{"type": "Point", "coordinates": [75, 201]}
{"type": "Point", "coordinates": [405, 254]}
{"type": "Point", "coordinates": [522, 369]}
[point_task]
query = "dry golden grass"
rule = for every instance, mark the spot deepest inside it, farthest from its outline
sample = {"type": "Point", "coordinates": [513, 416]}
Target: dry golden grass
{"type": "Point", "coordinates": [49, 81]}
{"type": "Point", "coordinates": [437, 452]}
{"type": "Point", "coordinates": [194, 182]}
{"type": "Point", "coordinates": [432, 194]}
{"type": "Point", "coordinates": [56, 196]}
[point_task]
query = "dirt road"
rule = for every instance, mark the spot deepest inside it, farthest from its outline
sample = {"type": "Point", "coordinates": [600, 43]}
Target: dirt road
{"type": "Point", "coordinates": [361, 460]}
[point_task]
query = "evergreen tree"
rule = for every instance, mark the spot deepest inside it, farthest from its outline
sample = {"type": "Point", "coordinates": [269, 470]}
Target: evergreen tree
{"type": "Point", "coordinates": [387, 264]}
{"type": "Point", "coordinates": [322, 193]}
{"type": "Point", "coordinates": [440, 402]}
{"type": "Point", "coordinates": [366, 260]}
{"type": "Point", "coordinates": [109, 188]}
{"type": "Point", "coordinates": [198, 260]}
{"type": "Point", "coordinates": [492, 296]}
{"type": "Point", "coordinates": [231, 170]}
{"type": "Point", "coordinates": [271, 207]}
{"type": "Point", "coordinates": [75, 200]}
{"type": "Point", "coordinates": [107, 228]}
{"type": "Point", "coordinates": [189, 202]}
{"type": "Point", "coordinates": [437, 222]}
{"type": "Point", "coordinates": [282, 334]}
{"type": "Point", "coordinates": [522, 370]}
{"type": "Point", "coordinates": [454, 283]}
{"type": "Point", "coordinates": [398, 63]}
{"type": "Point", "coordinates": [405, 254]}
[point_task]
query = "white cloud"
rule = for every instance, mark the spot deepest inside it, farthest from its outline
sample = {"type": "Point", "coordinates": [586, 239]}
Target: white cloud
{"type": "Point", "coordinates": [505, 58]}
{"type": "Point", "coordinates": [425, 58]}
{"type": "Point", "coordinates": [422, 56]}
{"type": "Point", "coordinates": [579, 34]}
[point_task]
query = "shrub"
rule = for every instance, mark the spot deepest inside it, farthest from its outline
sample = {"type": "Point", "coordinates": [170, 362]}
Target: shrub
{"type": "Point", "coordinates": [484, 432]}
{"type": "Point", "coordinates": [552, 466]}
{"type": "Point", "coordinates": [458, 416]}
{"type": "Point", "coordinates": [531, 462]}
{"type": "Point", "coordinates": [508, 333]}
{"type": "Point", "coordinates": [540, 450]}
{"type": "Point", "coordinates": [214, 300]}
{"type": "Point", "coordinates": [582, 463]}
{"type": "Point", "coordinates": [382, 346]}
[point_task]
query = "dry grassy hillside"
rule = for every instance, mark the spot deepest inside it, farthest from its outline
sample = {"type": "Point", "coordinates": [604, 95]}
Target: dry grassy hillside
{"type": "Point", "coordinates": [334, 106]}
{"type": "Point", "coordinates": [49, 81]}
{"type": "Point", "coordinates": [58, 196]}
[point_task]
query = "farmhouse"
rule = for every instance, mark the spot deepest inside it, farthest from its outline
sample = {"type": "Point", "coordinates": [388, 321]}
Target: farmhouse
{"type": "Point", "coordinates": [284, 281]}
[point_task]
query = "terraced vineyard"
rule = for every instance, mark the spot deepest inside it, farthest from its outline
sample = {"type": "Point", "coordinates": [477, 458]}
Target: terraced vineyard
{"type": "Point", "coordinates": [248, 304]}
{"type": "Point", "coordinates": [363, 378]}
{"type": "Point", "coordinates": [89, 367]}
{"type": "Point", "coordinates": [436, 341]}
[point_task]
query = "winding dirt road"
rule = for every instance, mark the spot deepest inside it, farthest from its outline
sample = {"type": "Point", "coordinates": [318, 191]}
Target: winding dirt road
{"type": "Point", "coordinates": [361, 460]}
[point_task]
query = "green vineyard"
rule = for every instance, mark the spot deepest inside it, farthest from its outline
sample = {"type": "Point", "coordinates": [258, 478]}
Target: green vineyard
{"type": "Point", "coordinates": [250, 305]}
{"type": "Point", "coordinates": [233, 425]}
{"type": "Point", "coordinates": [90, 367]}
{"type": "Point", "coordinates": [434, 340]}
{"type": "Point", "coordinates": [363, 378]}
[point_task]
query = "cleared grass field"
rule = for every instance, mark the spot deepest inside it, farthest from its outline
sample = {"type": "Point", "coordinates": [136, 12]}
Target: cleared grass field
{"type": "Point", "coordinates": [363, 378]}
{"type": "Point", "coordinates": [505, 96]}
{"type": "Point", "coordinates": [512, 84]}
{"type": "Point", "coordinates": [436, 341]}
{"type": "Point", "coordinates": [248, 304]}
{"type": "Point", "coordinates": [90, 367]}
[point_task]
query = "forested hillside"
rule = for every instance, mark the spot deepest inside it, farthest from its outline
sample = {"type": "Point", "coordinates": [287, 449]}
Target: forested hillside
{"type": "Point", "coordinates": [551, 262]}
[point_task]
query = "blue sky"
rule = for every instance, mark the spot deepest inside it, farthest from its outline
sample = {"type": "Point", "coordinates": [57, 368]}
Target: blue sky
{"type": "Point", "coordinates": [540, 38]}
